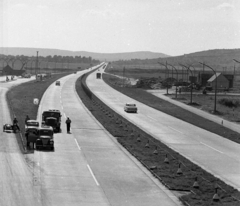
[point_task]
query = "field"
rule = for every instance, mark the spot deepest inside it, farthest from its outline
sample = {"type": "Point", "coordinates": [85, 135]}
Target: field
{"type": "Point", "coordinates": [206, 103]}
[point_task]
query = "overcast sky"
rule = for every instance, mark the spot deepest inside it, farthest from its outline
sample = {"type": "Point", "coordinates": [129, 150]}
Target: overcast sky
{"type": "Point", "coordinates": [173, 27]}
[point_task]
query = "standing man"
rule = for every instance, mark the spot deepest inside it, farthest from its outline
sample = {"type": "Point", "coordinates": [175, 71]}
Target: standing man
{"type": "Point", "coordinates": [26, 119]}
{"type": "Point", "coordinates": [15, 123]}
{"type": "Point", "coordinates": [68, 123]}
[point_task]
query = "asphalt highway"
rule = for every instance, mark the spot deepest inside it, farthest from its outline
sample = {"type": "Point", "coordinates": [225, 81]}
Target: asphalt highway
{"type": "Point", "coordinates": [88, 166]}
{"type": "Point", "coordinates": [215, 154]}
{"type": "Point", "coordinates": [16, 179]}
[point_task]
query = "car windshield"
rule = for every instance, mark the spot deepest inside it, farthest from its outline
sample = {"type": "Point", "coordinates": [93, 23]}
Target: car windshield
{"type": "Point", "coordinates": [45, 132]}
{"type": "Point", "coordinates": [36, 124]}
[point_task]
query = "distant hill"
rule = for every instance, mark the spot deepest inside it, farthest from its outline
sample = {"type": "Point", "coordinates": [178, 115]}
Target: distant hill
{"type": "Point", "coordinates": [217, 57]}
{"type": "Point", "coordinates": [99, 56]}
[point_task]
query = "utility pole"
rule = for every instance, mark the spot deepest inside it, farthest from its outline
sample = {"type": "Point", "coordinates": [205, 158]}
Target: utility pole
{"type": "Point", "coordinates": [215, 99]}
{"type": "Point", "coordinates": [36, 67]}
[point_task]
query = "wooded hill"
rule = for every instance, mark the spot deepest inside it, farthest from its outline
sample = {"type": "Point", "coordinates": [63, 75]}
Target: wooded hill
{"type": "Point", "coordinates": [220, 59]}
{"type": "Point", "coordinates": [98, 56]}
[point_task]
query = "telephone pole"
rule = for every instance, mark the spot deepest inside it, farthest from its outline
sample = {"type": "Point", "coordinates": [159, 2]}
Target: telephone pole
{"type": "Point", "coordinates": [36, 67]}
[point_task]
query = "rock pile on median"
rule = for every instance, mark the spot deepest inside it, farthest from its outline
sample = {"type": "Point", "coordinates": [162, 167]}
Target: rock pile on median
{"type": "Point", "coordinates": [149, 83]}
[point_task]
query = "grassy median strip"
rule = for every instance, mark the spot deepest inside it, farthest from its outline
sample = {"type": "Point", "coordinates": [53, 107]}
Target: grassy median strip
{"type": "Point", "coordinates": [20, 99]}
{"type": "Point", "coordinates": [170, 167]}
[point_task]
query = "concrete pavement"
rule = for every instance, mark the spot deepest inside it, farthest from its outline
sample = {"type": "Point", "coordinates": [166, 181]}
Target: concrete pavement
{"type": "Point", "coordinates": [88, 166]}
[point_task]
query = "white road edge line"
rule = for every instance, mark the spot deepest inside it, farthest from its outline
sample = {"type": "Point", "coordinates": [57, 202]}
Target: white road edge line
{"type": "Point", "coordinates": [77, 144]}
{"type": "Point", "coordinates": [93, 175]}
{"type": "Point", "coordinates": [151, 118]}
{"type": "Point", "coordinates": [211, 147]}
{"type": "Point", "coordinates": [175, 129]}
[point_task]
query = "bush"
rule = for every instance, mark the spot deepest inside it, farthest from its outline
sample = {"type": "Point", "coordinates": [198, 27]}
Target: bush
{"type": "Point", "coordinates": [229, 102]}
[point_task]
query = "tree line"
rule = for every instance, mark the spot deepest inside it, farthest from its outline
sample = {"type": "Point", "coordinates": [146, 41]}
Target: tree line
{"type": "Point", "coordinates": [49, 58]}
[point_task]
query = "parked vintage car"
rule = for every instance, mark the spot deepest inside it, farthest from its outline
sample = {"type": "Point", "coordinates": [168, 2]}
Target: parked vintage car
{"type": "Point", "coordinates": [8, 128]}
{"type": "Point", "coordinates": [130, 107]}
{"type": "Point", "coordinates": [31, 123]}
{"type": "Point", "coordinates": [58, 83]}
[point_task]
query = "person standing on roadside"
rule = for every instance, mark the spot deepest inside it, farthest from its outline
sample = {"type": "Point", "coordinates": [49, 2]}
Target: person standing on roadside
{"type": "Point", "coordinates": [68, 123]}
{"type": "Point", "coordinates": [26, 119]}
{"type": "Point", "coordinates": [15, 123]}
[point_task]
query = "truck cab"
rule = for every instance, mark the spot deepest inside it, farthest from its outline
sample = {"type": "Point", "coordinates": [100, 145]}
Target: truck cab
{"type": "Point", "coordinates": [45, 138]}
{"type": "Point", "coordinates": [52, 118]}
{"type": "Point", "coordinates": [98, 75]}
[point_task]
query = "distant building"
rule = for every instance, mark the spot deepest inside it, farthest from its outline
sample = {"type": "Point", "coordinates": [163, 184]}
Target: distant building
{"type": "Point", "coordinates": [7, 70]}
{"type": "Point", "coordinates": [204, 77]}
{"type": "Point", "coordinates": [220, 79]}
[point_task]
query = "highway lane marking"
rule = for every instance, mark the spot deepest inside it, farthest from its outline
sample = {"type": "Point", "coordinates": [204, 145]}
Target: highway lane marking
{"type": "Point", "coordinates": [89, 168]}
{"type": "Point", "coordinates": [175, 129]}
{"type": "Point", "coordinates": [151, 118]}
{"type": "Point", "coordinates": [211, 147]}
{"type": "Point", "coordinates": [77, 144]}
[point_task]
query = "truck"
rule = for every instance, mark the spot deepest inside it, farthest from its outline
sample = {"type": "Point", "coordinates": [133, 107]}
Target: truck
{"type": "Point", "coordinates": [52, 118]}
{"type": "Point", "coordinates": [45, 137]}
{"type": "Point", "coordinates": [31, 131]}
{"type": "Point", "coordinates": [98, 75]}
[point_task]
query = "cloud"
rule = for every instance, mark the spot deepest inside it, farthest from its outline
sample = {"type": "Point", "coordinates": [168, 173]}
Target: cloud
{"type": "Point", "coordinates": [225, 6]}
{"type": "Point", "coordinates": [101, 13]}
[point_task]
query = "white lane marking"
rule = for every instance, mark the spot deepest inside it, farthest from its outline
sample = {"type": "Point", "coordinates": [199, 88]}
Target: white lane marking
{"type": "Point", "coordinates": [77, 144]}
{"type": "Point", "coordinates": [151, 118]}
{"type": "Point", "coordinates": [175, 129]}
{"type": "Point", "coordinates": [93, 175]}
{"type": "Point", "coordinates": [64, 115]}
{"type": "Point", "coordinates": [211, 147]}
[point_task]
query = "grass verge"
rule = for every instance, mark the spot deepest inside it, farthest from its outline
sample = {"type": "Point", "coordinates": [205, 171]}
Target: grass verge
{"type": "Point", "coordinates": [152, 154]}
{"type": "Point", "coordinates": [20, 100]}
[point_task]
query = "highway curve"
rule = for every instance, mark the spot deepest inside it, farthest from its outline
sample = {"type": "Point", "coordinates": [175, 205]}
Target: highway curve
{"type": "Point", "coordinates": [215, 154]}
{"type": "Point", "coordinates": [88, 167]}
{"type": "Point", "coordinates": [16, 179]}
